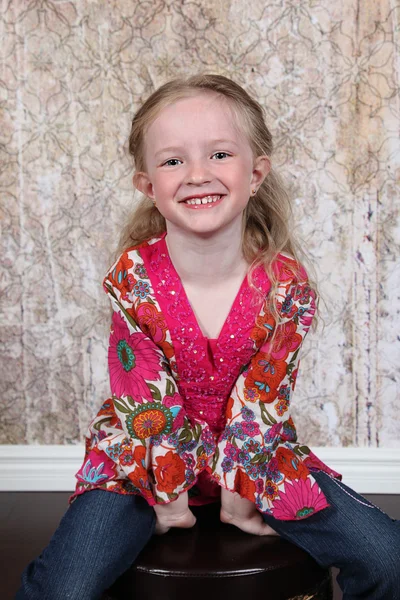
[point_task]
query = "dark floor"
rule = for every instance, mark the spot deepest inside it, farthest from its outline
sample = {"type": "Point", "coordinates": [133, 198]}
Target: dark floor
{"type": "Point", "coordinates": [28, 520]}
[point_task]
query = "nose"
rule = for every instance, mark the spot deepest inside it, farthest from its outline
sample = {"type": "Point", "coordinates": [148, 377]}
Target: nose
{"type": "Point", "coordinates": [198, 173]}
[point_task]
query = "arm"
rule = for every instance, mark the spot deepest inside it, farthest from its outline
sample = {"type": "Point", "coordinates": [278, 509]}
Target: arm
{"type": "Point", "coordinates": [160, 442]}
{"type": "Point", "coordinates": [256, 454]}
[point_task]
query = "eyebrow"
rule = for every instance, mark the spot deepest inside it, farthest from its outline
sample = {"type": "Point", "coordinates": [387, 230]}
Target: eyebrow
{"type": "Point", "coordinates": [212, 143]}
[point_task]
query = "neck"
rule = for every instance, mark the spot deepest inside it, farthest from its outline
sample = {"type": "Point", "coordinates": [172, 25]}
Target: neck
{"type": "Point", "coordinates": [207, 259]}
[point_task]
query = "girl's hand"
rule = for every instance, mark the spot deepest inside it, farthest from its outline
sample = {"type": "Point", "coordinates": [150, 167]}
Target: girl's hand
{"type": "Point", "coordinates": [242, 513]}
{"type": "Point", "coordinates": [174, 514]}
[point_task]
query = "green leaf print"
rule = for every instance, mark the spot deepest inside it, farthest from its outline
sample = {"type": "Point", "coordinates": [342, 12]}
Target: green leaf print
{"type": "Point", "coordinates": [155, 392]}
{"type": "Point", "coordinates": [170, 388]}
{"type": "Point", "coordinates": [266, 417]}
{"type": "Point", "coordinates": [185, 436]}
{"type": "Point", "coordinates": [215, 459]}
{"type": "Point", "coordinates": [120, 406]}
{"type": "Point", "coordinates": [200, 450]}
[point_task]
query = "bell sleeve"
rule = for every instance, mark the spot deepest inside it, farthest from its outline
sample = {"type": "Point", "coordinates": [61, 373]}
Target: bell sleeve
{"type": "Point", "coordinates": [257, 453]}
{"type": "Point", "coordinates": [146, 442]}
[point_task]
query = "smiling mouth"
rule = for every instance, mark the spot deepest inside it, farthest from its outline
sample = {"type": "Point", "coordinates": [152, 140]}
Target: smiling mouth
{"type": "Point", "coordinates": [205, 200]}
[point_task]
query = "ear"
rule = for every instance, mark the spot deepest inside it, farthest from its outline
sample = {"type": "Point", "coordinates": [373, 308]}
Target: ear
{"type": "Point", "coordinates": [261, 168]}
{"type": "Point", "coordinates": [142, 182]}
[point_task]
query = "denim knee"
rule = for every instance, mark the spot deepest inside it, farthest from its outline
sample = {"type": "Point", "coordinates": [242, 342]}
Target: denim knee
{"type": "Point", "coordinates": [70, 586]}
{"type": "Point", "coordinates": [378, 560]}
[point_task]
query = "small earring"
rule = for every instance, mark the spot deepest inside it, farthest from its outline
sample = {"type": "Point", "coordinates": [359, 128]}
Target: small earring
{"type": "Point", "coordinates": [254, 192]}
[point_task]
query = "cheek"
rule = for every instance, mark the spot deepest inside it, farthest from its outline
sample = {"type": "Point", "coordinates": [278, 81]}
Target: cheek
{"type": "Point", "coordinates": [163, 182]}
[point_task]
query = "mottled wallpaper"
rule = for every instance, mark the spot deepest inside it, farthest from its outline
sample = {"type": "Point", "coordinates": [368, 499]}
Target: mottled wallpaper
{"type": "Point", "coordinates": [71, 76]}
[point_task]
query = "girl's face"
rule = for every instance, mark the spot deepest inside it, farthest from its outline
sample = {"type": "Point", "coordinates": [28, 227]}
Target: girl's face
{"type": "Point", "coordinates": [194, 151]}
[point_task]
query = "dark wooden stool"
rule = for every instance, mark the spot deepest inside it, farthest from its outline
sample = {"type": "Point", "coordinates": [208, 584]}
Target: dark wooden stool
{"type": "Point", "coordinates": [217, 561]}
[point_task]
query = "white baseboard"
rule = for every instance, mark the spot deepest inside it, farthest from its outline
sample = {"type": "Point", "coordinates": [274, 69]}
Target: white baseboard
{"type": "Point", "coordinates": [52, 468]}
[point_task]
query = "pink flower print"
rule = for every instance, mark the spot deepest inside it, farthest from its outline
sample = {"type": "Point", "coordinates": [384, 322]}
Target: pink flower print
{"type": "Point", "coordinates": [287, 340]}
{"type": "Point", "coordinates": [175, 404]}
{"type": "Point", "coordinates": [306, 316]}
{"type": "Point", "coordinates": [259, 486]}
{"type": "Point", "coordinates": [299, 500]}
{"type": "Point", "coordinates": [132, 360]}
{"type": "Point", "coordinates": [251, 428]}
{"type": "Point", "coordinates": [313, 462]}
{"type": "Point", "coordinates": [231, 451]}
{"type": "Point", "coordinates": [96, 469]}
{"type": "Point", "coordinates": [272, 432]}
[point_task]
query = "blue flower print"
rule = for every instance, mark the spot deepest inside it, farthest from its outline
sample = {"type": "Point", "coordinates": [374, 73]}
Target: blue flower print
{"type": "Point", "coordinates": [247, 414]}
{"type": "Point", "coordinates": [173, 440]}
{"type": "Point", "coordinates": [227, 465]}
{"type": "Point", "coordinates": [287, 304]}
{"type": "Point", "coordinates": [114, 451]}
{"type": "Point", "coordinates": [141, 271]}
{"type": "Point", "coordinates": [243, 457]}
{"type": "Point", "coordinates": [156, 440]}
{"type": "Point", "coordinates": [141, 289]}
{"type": "Point", "coordinates": [189, 476]}
{"type": "Point", "coordinates": [226, 433]}
{"type": "Point", "coordinates": [252, 471]}
{"type": "Point", "coordinates": [187, 446]}
{"type": "Point", "coordinates": [207, 436]}
{"type": "Point", "coordinates": [238, 432]}
{"type": "Point", "coordinates": [252, 446]}
{"type": "Point", "coordinates": [93, 475]}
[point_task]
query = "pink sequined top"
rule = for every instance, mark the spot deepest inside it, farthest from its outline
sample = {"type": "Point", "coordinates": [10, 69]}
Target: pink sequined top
{"type": "Point", "coordinates": [188, 413]}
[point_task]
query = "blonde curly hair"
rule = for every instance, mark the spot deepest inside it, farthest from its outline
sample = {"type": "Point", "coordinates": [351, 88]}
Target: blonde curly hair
{"type": "Point", "coordinates": [268, 216]}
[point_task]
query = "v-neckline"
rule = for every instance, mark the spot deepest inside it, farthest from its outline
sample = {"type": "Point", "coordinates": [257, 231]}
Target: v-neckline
{"type": "Point", "coordinates": [189, 307]}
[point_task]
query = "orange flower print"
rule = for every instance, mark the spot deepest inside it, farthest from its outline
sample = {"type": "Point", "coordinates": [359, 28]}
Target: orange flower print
{"type": "Point", "coordinates": [167, 349]}
{"type": "Point", "coordinates": [244, 485]}
{"type": "Point", "coordinates": [263, 330]}
{"type": "Point", "coordinates": [151, 321]}
{"type": "Point", "coordinates": [290, 465]}
{"type": "Point", "coordinates": [271, 489]}
{"type": "Point", "coordinates": [265, 376]}
{"type": "Point", "coordinates": [149, 419]}
{"type": "Point", "coordinates": [121, 278]}
{"type": "Point", "coordinates": [140, 480]}
{"type": "Point", "coordinates": [139, 454]}
{"type": "Point", "coordinates": [229, 407]}
{"type": "Point", "coordinates": [293, 376]}
{"type": "Point", "coordinates": [169, 472]}
{"type": "Point", "coordinates": [201, 461]}
{"type": "Point", "coordinates": [127, 458]}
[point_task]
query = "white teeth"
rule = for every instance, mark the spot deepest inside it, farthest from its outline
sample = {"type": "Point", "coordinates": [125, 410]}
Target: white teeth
{"type": "Point", "coordinates": [205, 200]}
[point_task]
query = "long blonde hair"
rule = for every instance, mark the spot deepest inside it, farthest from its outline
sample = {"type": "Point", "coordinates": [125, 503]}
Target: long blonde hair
{"type": "Point", "coordinates": [268, 216]}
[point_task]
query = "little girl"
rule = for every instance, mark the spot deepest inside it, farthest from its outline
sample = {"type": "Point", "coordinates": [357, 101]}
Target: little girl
{"type": "Point", "coordinates": [210, 308]}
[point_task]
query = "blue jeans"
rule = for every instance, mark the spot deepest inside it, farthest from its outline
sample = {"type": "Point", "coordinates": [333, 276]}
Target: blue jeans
{"type": "Point", "coordinates": [102, 533]}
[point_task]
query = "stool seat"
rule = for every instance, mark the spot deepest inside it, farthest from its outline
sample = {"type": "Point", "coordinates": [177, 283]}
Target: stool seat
{"type": "Point", "coordinates": [213, 558]}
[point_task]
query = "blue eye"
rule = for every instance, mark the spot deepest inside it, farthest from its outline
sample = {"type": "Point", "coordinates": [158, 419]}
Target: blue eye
{"type": "Point", "coordinates": [170, 161]}
{"type": "Point", "coordinates": [221, 153]}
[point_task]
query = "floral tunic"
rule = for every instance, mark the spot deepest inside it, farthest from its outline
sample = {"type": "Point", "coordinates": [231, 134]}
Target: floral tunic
{"type": "Point", "coordinates": [192, 414]}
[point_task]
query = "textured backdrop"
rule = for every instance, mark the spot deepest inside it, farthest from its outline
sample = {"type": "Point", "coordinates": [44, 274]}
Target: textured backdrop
{"type": "Point", "coordinates": [72, 75]}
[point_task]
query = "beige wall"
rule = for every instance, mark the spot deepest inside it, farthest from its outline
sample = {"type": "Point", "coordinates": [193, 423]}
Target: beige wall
{"type": "Point", "coordinates": [73, 73]}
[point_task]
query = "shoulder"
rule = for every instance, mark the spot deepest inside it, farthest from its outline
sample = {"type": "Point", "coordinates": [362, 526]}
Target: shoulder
{"type": "Point", "coordinates": [128, 267]}
{"type": "Point", "coordinates": [287, 269]}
